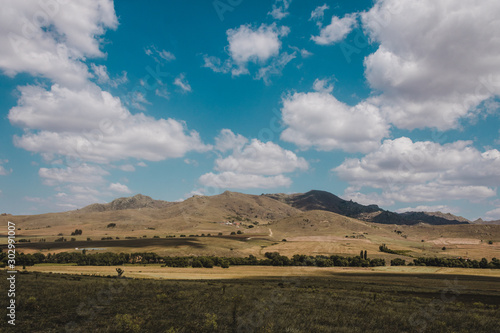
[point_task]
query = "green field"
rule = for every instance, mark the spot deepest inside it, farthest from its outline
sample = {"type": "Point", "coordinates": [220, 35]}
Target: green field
{"type": "Point", "coordinates": [340, 302]}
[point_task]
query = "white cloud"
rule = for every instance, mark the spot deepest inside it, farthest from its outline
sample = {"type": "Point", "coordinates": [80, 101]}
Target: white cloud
{"type": "Point", "coordinates": [227, 140]}
{"type": "Point", "coordinates": [425, 171]}
{"type": "Point", "coordinates": [217, 65]}
{"type": "Point", "coordinates": [83, 174]}
{"type": "Point", "coordinates": [303, 52]}
{"type": "Point", "coordinates": [257, 46]}
{"type": "Point", "coordinates": [319, 120]}
{"type": "Point", "coordinates": [253, 164]}
{"type": "Point", "coordinates": [182, 83]}
{"type": "Point", "coordinates": [162, 92]}
{"type": "Point", "coordinates": [234, 180]}
{"type": "Point", "coordinates": [52, 40]}
{"type": "Point", "coordinates": [92, 125]}
{"type": "Point", "coordinates": [318, 13]}
{"type": "Point", "coordinates": [159, 55]}
{"type": "Point", "coordinates": [280, 8]}
{"type": "Point", "coordinates": [249, 45]}
{"type": "Point", "coordinates": [492, 215]}
{"type": "Point", "coordinates": [261, 158]}
{"type": "Point", "coordinates": [436, 60]}
{"type": "Point", "coordinates": [142, 164]}
{"type": "Point", "coordinates": [119, 188]}
{"type": "Point", "coordinates": [337, 30]}
{"type": "Point", "coordinates": [423, 208]}
{"type": "Point", "coordinates": [276, 67]}
{"type": "Point", "coordinates": [101, 72]}
{"type": "Point", "coordinates": [3, 171]}
{"type": "Point", "coordinates": [323, 86]}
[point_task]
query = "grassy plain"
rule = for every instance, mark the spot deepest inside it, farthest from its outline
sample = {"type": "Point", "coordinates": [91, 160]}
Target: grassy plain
{"type": "Point", "coordinates": [349, 301]}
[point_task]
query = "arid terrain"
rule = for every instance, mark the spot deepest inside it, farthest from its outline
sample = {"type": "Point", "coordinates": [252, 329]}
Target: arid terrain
{"type": "Point", "coordinates": [235, 224]}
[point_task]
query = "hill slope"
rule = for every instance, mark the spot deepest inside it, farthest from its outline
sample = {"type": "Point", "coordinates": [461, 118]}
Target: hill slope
{"type": "Point", "coordinates": [322, 200]}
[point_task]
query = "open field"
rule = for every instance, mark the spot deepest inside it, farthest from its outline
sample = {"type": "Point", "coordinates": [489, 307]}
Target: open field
{"type": "Point", "coordinates": [349, 301]}
{"type": "Point", "coordinates": [152, 271]}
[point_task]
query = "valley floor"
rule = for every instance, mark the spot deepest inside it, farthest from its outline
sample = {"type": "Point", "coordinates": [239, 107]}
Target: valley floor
{"type": "Point", "coordinates": [343, 301]}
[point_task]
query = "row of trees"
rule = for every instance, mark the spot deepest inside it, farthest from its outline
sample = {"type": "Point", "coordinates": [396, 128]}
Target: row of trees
{"type": "Point", "coordinates": [111, 259]}
{"type": "Point", "coordinates": [449, 262]}
{"type": "Point", "coordinates": [271, 259]}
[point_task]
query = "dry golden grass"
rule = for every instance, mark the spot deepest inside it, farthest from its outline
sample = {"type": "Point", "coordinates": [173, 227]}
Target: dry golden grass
{"type": "Point", "coordinates": [242, 272]}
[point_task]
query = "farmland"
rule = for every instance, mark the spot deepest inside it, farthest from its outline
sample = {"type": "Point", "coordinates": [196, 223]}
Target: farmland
{"type": "Point", "coordinates": [301, 301]}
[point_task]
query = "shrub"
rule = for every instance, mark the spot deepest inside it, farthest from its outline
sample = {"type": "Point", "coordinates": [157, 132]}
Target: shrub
{"type": "Point", "coordinates": [490, 242]}
{"type": "Point", "coordinates": [239, 232]}
{"type": "Point", "coordinates": [398, 262]}
{"type": "Point", "coordinates": [111, 225]}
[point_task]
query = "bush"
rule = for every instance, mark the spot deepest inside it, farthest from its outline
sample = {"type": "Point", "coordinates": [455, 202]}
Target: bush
{"type": "Point", "coordinates": [398, 262]}
{"type": "Point", "coordinates": [443, 248]}
{"type": "Point", "coordinates": [239, 232]}
{"type": "Point", "coordinates": [111, 225]}
{"type": "Point", "coordinates": [490, 242]}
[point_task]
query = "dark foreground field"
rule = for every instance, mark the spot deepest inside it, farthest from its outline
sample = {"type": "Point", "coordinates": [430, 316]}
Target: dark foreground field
{"type": "Point", "coordinates": [340, 303]}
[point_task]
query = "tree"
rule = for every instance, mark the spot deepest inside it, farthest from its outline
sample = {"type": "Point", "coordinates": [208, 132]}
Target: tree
{"type": "Point", "coordinates": [120, 272]}
{"type": "Point", "coordinates": [366, 255]}
{"type": "Point", "coordinates": [361, 254]}
{"type": "Point", "coordinates": [398, 262]}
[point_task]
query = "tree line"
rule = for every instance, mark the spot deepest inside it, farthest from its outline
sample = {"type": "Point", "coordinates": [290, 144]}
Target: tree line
{"type": "Point", "coordinates": [449, 262]}
{"type": "Point", "coordinates": [271, 259]}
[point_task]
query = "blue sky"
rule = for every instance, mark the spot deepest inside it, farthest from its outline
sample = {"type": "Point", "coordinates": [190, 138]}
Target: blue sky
{"type": "Point", "coordinates": [386, 102]}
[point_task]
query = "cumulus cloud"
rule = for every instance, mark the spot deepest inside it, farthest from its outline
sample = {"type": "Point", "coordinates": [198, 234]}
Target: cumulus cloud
{"type": "Point", "coordinates": [119, 188]}
{"type": "Point", "coordinates": [93, 125]}
{"type": "Point", "coordinates": [53, 40]}
{"type": "Point", "coordinates": [261, 158]}
{"type": "Point", "coordinates": [227, 140]}
{"type": "Point", "coordinates": [280, 9]}
{"type": "Point", "coordinates": [425, 171]}
{"type": "Point", "coordinates": [436, 60]}
{"type": "Point", "coordinates": [323, 86]}
{"type": "Point", "coordinates": [319, 120]}
{"type": "Point", "coordinates": [337, 30]}
{"type": "Point", "coordinates": [253, 164]}
{"type": "Point", "coordinates": [248, 45]}
{"type": "Point", "coordinates": [234, 180]}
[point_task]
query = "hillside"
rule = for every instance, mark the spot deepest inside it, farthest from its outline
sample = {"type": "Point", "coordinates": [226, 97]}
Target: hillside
{"type": "Point", "coordinates": [136, 202]}
{"type": "Point", "coordinates": [322, 200]}
{"type": "Point", "coordinates": [237, 224]}
{"type": "Point", "coordinates": [435, 218]}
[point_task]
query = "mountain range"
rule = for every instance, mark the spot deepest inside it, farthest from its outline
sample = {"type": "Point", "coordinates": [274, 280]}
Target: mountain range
{"type": "Point", "coordinates": [312, 200]}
